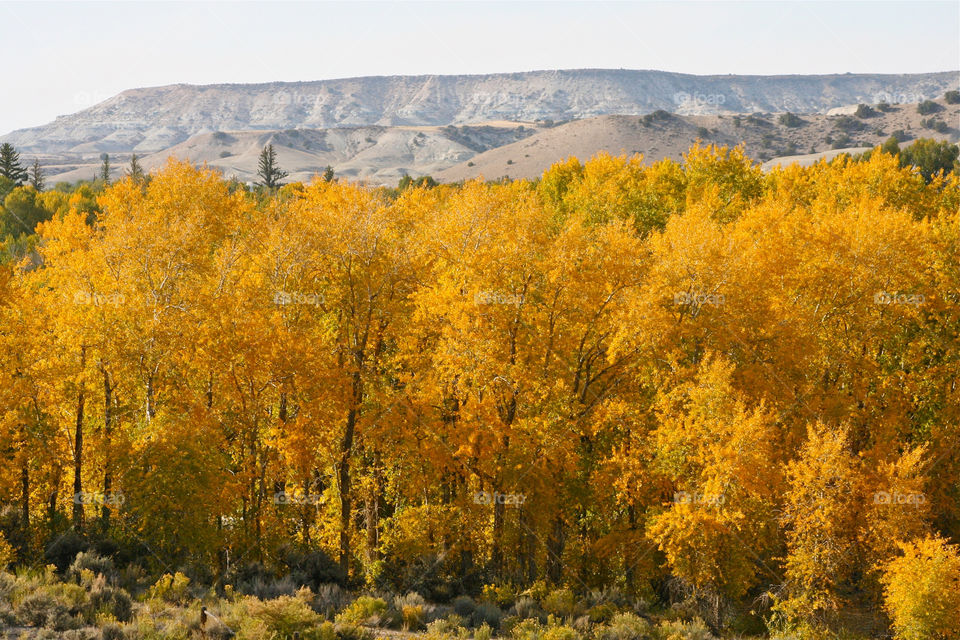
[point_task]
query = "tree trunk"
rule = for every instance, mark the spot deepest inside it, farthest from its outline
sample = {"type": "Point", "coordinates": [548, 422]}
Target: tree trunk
{"type": "Point", "coordinates": [346, 448]}
{"type": "Point", "coordinates": [78, 451]}
{"type": "Point", "coordinates": [372, 518]}
{"type": "Point", "coordinates": [555, 545]}
{"type": "Point", "coordinates": [528, 563]}
{"type": "Point", "coordinates": [107, 439]}
{"type": "Point", "coordinates": [25, 496]}
{"type": "Point", "coordinates": [150, 409]}
{"type": "Point", "coordinates": [496, 556]}
{"type": "Point", "coordinates": [346, 445]}
{"type": "Point", "coordinates": [631, 569]}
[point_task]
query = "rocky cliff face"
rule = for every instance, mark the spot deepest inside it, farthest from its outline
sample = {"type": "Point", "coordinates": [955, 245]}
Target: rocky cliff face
{"type": "Point", "coordinates": [146, 120]}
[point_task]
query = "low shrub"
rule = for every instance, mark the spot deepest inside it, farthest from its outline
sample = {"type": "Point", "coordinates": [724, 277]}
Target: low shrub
{"type": "Point", "coordinates": [483, 632]}
{"type": "Point", "coordinates": [412, 616]}
{"type": "Point", "coordinates": [527, 630]}
{"type": "Point", "coordinates": [560, 632]}
{"type": "Point", "coordinates": [90, 561]}
{"type": "Point", "coordinates": [7, 554]}
{"type": "Point", "coordinates": [624, 626]}
{"type": "Point", "coordinates": [111, 631]}
{"type": "Point", "coordinates": [63, 551]}
{"type": "Point", "coordinates": [283, 617]}
{"type": "Point", "coordinates": [173, 589]}
{"type": "Point", "coordinates": [790, 120]}
{"type": "Point", "coordinates": [111, 601]}
{"type": "Point", "coordinates": [41, 609]}
{"type": "Point", "coordinates": [464, 606]}
{"type": "Point", "coordinates": [560, 602]}
{"type": "Point", "coordinates": [352, 632]}
{"type": "Point", "coordinates": [331, 599]}
{"type": "Point", "coordinates": [680, 630]}
{"type": "Point", "coordinates": [502, 595]}
{"type": "Point", "coordinates": [527, 607]}
{"type": "Point", "coordinates": [486, 613]}
{"type": "Point", "coordinates": [363, 610]}
{"type": "Point", "coordinates": [602, 613]}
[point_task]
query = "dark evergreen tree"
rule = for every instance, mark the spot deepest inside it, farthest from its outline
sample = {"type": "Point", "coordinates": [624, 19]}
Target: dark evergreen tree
{"type": "Point", "coordinates": [10, 166]}
{"type": "Point", "coordinates": [36, 176]}
{"type": "Point", "coordinates": [270, 174]}
{"type": "Point", "coordinates": [105, 168]}
{"type": "Point", "coordinates": [135, 172]}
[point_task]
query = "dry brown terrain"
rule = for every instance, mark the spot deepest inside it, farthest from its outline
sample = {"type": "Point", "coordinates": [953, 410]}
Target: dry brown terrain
{"type": "Point", "coordinates": [382, 155]}
{"type": "Point", "coordinates": [669, 137]}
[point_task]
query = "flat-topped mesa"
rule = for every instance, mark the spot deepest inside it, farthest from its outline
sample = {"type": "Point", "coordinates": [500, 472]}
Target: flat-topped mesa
{"type": "Point", "coordinates": [149, 119]}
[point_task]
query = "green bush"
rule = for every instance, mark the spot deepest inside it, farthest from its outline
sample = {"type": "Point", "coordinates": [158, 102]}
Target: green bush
{"type": "Point", "coordinates": [502, 595]}
{"type": "Point", "coordinates": [864, 111]}
{"type": "Point", "coordinates": [363, 610]}
{"type": "Point", "coordinates": [111, 631]}
{"type": "Point", "coordinates": [174, 589]}
{"type": "Point", "coordinates": [527, 630]}
{"type": "Point", "coordinates": [560, 632]}
{"type": "Point", "coordinates": [351, 632]}
{"type": "Point", "coordinates": [602, 613]}
{"type": "Point", "coordinates": [111, 601]}
{"type": "Point", "coordinates": [848, 124]}
{"type": "Point", "coordinates": [790, 120]}
{"type": "Point", "coordinates": [927, 107]}
{"type": "Point", "coordinates": [936, 124]}
{"type": "Point", "coordinates": [464, 606]}
{"type": "Point", "coordinates": [483, 632]}
{"type": "Point", "coordinates": [412, 616]}
{"type": "Point", "coordinates": [486, 613]}
{"type": "Point", "coordinates": [41, 609]}
{"type": "Point", "coordinates": [952, 97]}
{"type": "Point", "coordinates": [679, 630]}
{"type": "Point", "coordinates": [527, 608]}
{"type": "Point", "coordinates": [90, 561]}
{"type": "Point", "coordinates": [285, 616]}
{"type": "Point", "coordinates": [842, 141]}
{"type": "Point", "coordinates": [560, 602]}
{"type": "Point", "coordinates": [624, 626]}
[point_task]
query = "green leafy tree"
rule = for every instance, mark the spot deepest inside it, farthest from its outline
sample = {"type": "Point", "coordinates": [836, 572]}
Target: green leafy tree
{"type": "Point", "coordinates": [22, 212]}
{"type": "Point", "coordinates": [10, 167]}
{"type": "Point", "coordinates": [406, 182]}
{"type": "Point", "coordinates": [270, 173]}
{"type": "Point", "coordinates": [930, 157]}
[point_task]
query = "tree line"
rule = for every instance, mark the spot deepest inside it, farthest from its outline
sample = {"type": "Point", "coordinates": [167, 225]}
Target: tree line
{"type": "Point", "coordinates": [688, 380]}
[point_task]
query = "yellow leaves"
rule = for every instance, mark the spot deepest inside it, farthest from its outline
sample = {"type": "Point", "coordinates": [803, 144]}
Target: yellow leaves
{"type": "Point", "coordinates": [638, 350]}
{"type": "Point", "coordinates": [922, 590]}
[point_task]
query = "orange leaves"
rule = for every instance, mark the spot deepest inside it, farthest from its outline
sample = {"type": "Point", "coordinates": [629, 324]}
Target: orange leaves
{"type": "Point", "coordinates": [637, 350]}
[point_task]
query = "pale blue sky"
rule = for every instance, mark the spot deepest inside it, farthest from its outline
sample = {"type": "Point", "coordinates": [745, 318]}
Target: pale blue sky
{"type": "Point", "coordinates": [74, 54]}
